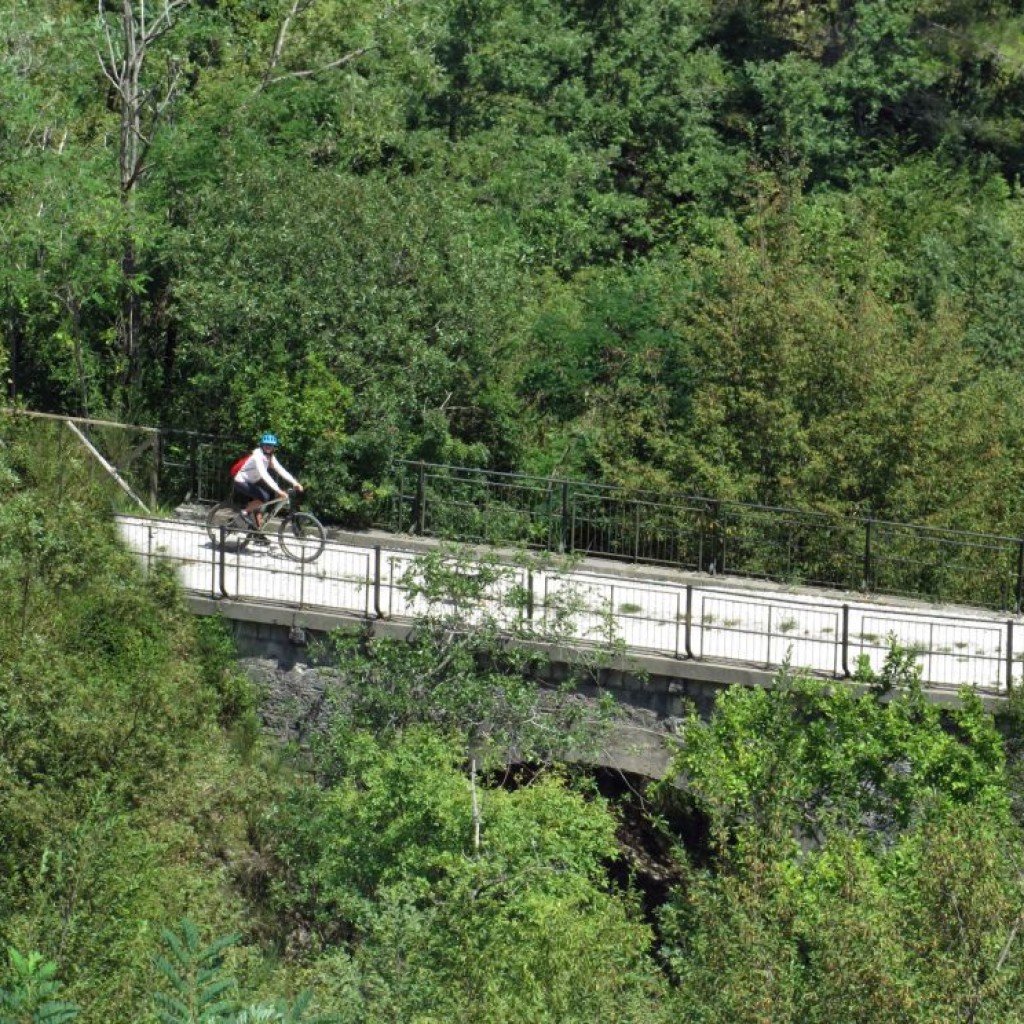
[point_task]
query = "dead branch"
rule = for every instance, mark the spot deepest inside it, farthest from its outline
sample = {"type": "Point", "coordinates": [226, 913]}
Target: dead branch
{"type": "Point", "coordinates": [310, 72]}
{"type": "Point", "coordinates": [299, 7]}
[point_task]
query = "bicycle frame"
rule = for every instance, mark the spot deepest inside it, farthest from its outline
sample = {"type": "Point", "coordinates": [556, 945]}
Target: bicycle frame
{"type": "Point", "coordinates": [302, 541]}
{"type": "Point", "coordinates": [271, 510]}
{"type": "Point", "coordinates": [277, 508]}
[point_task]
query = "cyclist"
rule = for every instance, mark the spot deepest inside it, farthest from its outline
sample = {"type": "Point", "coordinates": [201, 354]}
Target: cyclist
{"type": "Point", "coordinates": [254, 483]}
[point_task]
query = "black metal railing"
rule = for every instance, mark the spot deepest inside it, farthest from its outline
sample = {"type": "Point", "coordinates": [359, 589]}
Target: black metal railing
{"type": "Point", "coordinates": [776, 544]}
{"type": "Point", "coordinates": [194, 466]}
{"type": "Point", "coordinates": [691, 532]}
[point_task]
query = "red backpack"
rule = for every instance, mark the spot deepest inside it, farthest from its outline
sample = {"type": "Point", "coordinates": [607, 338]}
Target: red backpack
{"type": "Point", "coordinates": [237, 467]}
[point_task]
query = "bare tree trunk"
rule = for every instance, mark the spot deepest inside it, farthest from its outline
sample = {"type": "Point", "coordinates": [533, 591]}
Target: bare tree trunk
{"type": "Point", "coordinates": [476, 805]}
{"type": "Point", "coordinates": [131, 311]}
{"type": "Point", "coordinates": [130, 33]}
{"type": "Point", "coordinates": [74, 307]}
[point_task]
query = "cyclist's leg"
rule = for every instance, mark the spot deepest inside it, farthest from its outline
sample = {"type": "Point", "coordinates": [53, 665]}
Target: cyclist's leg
{"type": "Point", "coordinates": [256, 511]}
{"type": "Point", "coordinates": [253, 496]}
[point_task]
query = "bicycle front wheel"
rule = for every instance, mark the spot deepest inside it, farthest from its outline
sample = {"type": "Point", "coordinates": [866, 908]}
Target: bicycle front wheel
{"type": "Point", "coordinates": [302, 537]}
{"type": "Point", "coordinates": [227, 518]}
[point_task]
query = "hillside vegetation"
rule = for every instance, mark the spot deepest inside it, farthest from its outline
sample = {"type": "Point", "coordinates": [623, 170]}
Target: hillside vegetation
{"type": "Point", "coordinates": [764, 251]}
{"type": "Point", "coordinates": [828, 857]}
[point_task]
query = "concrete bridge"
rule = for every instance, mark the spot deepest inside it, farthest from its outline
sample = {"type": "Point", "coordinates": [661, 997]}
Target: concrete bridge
{"type": "Point", "coordinates": [680, 637]}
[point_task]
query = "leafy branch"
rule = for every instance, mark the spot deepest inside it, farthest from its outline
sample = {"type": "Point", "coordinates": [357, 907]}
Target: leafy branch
{"type": "Point", "coordinates": [30, 998]}
{"type": "Point", "coordinates": [197, 989]}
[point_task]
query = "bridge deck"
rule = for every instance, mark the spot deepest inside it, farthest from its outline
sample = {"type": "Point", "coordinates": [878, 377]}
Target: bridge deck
{"type": "Point", "coordinates": [722, 625]}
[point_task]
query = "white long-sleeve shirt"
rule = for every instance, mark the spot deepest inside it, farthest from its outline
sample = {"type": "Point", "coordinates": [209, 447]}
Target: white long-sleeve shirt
{"type": "Point", "coordinates": [257, 469]}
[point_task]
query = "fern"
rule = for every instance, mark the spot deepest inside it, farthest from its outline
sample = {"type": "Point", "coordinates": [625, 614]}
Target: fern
{"type": "Point", "coordinates": [30, 998]}
{"type": "Point", "coordinates": [281, 1013]}
{"type": "Point", "coordinates": [258, 1015]}
{"type": "Point", "coordinates": [198, 989]}
{"type": "Point", "coordinates": [192, 973]}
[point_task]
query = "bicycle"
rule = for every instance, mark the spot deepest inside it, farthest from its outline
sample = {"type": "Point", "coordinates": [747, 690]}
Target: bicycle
{"type": "Point", "coordinates": [300, 534]}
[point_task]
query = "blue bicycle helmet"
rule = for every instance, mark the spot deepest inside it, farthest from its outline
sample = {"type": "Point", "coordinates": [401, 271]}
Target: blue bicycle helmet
{"type": "Point", "coordinates": [269, 439]}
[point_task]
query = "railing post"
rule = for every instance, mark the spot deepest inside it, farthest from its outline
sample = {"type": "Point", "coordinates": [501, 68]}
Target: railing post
{"type": "Point", "coordinates": [1009, 655]}
{"type": "Point", "coordinates": [213, 571]}
{"type": "Point", "coordinates": [1019, 595]}
{"type": "Point", "coordinates": [154, 473]}
{"type": "Point", "coordinates": [689, 619]}
{"type": "Point", "coordinates": [220, 559]}
{"type": "Point", "coordinates": [565, 541]}
{"type": "Point", "coordinates": [846, 641]}
{"type": "Point", "coordinates": [679, 616]}
{"type": "Point", "coordinates": [866, 581]}
{"type": "Point", "coordinates": [701, 525]}
{"type": "Point", "coordinates": [376, 582]}
{"type": "Point", "coordinates": [193, 468]}
{"type": "Point", "coordinates": [419, 511]}
{"type": "Point", "coordinates": [529, 594]}
{"type": "Point", "coordinates": [710, 538]}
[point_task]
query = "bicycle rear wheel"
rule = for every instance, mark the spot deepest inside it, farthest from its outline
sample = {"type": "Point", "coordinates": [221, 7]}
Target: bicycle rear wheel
{"type": "Point", "coordinates": [235, 529]}
{"type": "Point", "coordinates": [302, 537]}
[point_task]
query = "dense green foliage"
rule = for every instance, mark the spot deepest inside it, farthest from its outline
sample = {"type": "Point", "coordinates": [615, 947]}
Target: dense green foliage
{"type": "Point", "coordinates": [862, 863]}
{"type": "Point", "coordinates": [765, 251]}
{"type": "Point", "coordinates": [127, 764]}
{"type": "Point", "coordinates": [824, 854]}
{"type": "Point", "coordinates": [769, 252]}
{"type": "Point", "coordinates": [378, 879]}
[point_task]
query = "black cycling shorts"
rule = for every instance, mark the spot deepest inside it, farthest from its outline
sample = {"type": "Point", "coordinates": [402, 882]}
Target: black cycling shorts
{"type": "Point", "coordinates": [250, 492]}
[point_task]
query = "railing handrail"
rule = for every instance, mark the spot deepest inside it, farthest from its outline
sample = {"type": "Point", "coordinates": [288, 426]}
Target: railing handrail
{"type": "Point", "coordinates": [824, 548]}
{"type": "Point", "coordinates": [954, 650]}
{"type": "Point", "coordinates": [849, 550]}
{"type": "Point", "coordinates": [666, 497]}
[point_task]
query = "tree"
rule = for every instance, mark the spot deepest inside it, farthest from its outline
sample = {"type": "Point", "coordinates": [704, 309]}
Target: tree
{"type": "Point", "coordinates": [457, 903]}
{"type": "Point", "coordinates": [363, 316]}
{"type": "Point", "coordinates": [118, 774]}
{"type": "Point", "coordinates": [58, 220]}
{"type": "Point", "coordinates": [842, 829]}
{"type": "Point", "coordinates": [791, 763]}
{"type": "Point", "coordinates": [476, 665]}
{"type": "Point", "coordinates": [408, 853]}
{"type": "Point", "coordinates": [142, 103]}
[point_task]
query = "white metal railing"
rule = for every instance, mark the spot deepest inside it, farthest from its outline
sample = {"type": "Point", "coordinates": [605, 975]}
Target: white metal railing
{"type": "Point", "coordinates": [713, 623]}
